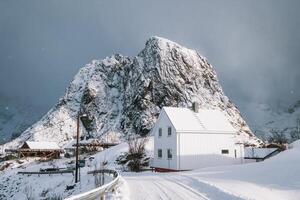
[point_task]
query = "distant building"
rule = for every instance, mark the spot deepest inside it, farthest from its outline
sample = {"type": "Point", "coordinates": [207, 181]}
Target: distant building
{"type": "Point", "coordinates": [187, 139]}
{"type": "Point", "coordinates": [40, 149]}
{"type": "Point", "coordinates": [86, 146]}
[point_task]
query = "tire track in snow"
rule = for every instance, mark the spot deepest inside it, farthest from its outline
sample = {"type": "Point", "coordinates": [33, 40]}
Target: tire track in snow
{"type": "Point", "coordinates": [164, 192]}
{"type": "Point", "coordinates": [158, 187]}
{"type": "Point", "coordinates": [189, 188]}
{"type": "Point", "coordinates": [212, 192]}
{"type": "Point", "coordinates": [176, 192]}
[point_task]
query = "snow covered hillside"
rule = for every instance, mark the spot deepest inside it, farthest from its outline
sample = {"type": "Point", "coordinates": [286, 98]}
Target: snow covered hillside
{"type": "Point", "coordinates": [122, 95]}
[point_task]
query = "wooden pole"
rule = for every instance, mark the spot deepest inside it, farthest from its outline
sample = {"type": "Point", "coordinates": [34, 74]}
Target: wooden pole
{"type": "Point", "coordinates": [77, 153]}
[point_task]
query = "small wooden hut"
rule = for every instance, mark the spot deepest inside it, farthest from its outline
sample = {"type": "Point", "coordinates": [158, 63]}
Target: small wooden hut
{"type": "Point", "coordinates": [45, 150]}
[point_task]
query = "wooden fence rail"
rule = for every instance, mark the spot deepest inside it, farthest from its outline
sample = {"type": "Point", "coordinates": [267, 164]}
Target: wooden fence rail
{"type": "Point", "coordinates": [48, 172]}
{"type": "Point", "coordinates": [98, 193]}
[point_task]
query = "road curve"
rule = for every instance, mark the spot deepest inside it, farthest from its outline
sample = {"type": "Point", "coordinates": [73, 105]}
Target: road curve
{"type": "Point", "coordinates": [171, 186]}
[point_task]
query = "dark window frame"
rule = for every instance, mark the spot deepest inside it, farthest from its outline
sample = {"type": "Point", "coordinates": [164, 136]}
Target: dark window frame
{"type": "Point", "coordinates": [169, 154]}
{"type": "Point", "coordinates": [159, 153]}
{"type": "Point", "coordinates": [225, 151]}
{"type": "Point", "coordinates": [159, 132]}
{"type": "Point", "coordinates": [169, 131]}
{"type": "Point", "coordinates": [235, 153]}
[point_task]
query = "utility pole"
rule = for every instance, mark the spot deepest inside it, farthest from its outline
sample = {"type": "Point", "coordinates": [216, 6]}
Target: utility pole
{"type": "Point", "coordinates": [77, 147]}
{"type": "Point", "coordinates": [298, 126]}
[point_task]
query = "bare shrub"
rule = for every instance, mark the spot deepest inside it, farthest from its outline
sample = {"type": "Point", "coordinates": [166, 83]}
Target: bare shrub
{"type": "Point", "coordinates": [136, 152]}
{"type": "Point", "coordinates": [295, 135]}
{"type": "Point", "coordinates": [277, 136]}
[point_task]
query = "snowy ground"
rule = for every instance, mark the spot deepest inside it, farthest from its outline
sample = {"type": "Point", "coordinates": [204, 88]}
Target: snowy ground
{"type": "Point", "coordinates": [171, 186]}
{"type": "Point", "coordinates": [17, 187]}
{"type": "Point", "coordinates": [276, 178]}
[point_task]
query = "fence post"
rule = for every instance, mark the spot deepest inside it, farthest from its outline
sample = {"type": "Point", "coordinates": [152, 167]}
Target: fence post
{"type": "Point", "coordinates": [102, 197]}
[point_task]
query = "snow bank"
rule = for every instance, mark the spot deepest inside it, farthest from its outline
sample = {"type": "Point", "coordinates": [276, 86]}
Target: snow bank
{"type": "Point", "coordinates": [275, 178]}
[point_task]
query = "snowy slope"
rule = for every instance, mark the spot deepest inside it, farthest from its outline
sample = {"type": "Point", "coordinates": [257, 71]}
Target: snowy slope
{"type": "Point", "coordinates": [123, 95]}
{"type": "Point", "coordinates": [263, 117]}
{"type": "Point", "coordinates": [276, 178]}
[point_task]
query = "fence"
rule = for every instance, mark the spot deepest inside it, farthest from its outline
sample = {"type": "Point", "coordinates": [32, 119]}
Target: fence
{"type": "Point", "coordinates": [100, 191]}
{"type": "Point", "coordinates": [48, 172]}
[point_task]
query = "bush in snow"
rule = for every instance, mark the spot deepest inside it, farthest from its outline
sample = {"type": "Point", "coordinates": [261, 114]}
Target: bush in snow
{"type": "Point", "coordinates": [295, 135]}
{"type": "Point", "coordinates": [136, 158]}
{"type": "Point", "coordinates": [278, 137]}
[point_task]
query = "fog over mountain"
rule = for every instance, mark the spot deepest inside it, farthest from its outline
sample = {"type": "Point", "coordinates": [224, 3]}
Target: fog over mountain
{"type": "Point", "coordinates": [253, 45]}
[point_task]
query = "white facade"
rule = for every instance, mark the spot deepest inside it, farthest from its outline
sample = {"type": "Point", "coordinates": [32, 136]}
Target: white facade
{"type": "Point", "coordinates": [194, 140]}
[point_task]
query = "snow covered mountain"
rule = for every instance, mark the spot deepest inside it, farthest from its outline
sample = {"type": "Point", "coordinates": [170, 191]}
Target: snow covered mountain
{"type": "Point", "coordinates": [123, 95]}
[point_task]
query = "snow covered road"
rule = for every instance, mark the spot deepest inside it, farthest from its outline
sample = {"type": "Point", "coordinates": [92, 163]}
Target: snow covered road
{"type": "Point", "coordinates": [171, 186]}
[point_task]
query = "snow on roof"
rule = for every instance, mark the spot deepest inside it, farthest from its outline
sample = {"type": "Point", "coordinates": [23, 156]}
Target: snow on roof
{"type": "Point", "coordinates": [184, 119]}
{"type": "Point", "coordinates": [42, 145]}
{"type": "Point", "coordinates": [70, 144]}
{"type": "Point", "coordinates": [214, 120]}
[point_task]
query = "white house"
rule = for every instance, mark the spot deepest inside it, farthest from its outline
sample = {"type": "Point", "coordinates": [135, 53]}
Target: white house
{"type": "Point", "coordinates": [185, 139]}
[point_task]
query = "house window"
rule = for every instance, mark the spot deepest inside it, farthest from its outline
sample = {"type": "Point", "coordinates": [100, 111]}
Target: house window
{"type": "Point", "coordinates": [169, 152]}
{"type": "Point", "coordinates": [169, 131]}
{"type": "Point", "coordinates": [159, 132]}
{"type": "Point", "coordinates": [225, 151]}
{"type": "Point", "coordinates": [159, 153]}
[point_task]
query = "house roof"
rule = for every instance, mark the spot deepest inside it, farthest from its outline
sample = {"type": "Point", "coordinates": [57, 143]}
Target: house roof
{"type": "Point", "coordinates": [205, 120]}
{"type": "Point", "coordinates": [42, 145]}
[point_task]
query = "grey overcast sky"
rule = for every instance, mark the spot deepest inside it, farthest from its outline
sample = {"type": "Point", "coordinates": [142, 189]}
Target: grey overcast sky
{"type": "Point", "coordinates": [253, 45]}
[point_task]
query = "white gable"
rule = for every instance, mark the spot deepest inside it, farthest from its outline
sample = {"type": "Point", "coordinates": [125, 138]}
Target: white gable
{"type": "Point", "coordinates": [42, 145]}
{"type": "Point", "coordinates": [184, 119]}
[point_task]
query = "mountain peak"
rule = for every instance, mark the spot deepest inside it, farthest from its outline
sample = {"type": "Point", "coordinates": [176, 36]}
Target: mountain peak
{"type": "Point", "coordinates": [124, 96]}
{"type": "Point", "coordinates": [163, 43]}
{"type": "Point", "coordinates": [160, 40]}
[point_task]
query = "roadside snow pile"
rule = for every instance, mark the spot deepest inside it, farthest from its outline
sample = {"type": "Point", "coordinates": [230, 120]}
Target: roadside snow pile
{"type": "Point", "coordinates": [276, 178]}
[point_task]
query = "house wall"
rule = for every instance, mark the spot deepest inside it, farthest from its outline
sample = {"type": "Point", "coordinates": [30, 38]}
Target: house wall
{"type": "Point", "coordinates": [197, 150]}
{"type": "Point", "coordinates": [164, 142]}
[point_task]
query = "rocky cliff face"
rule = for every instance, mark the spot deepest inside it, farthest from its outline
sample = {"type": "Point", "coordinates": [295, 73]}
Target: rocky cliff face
{"type": "Point", "coordinates": [123, 95]}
